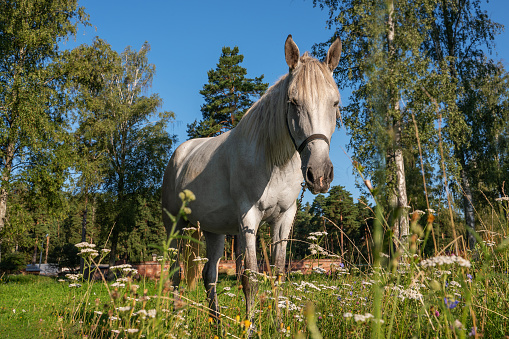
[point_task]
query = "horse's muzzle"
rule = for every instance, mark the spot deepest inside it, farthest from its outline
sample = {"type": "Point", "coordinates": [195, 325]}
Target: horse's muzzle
{"type": "Point", "coordinates": [318, 180]}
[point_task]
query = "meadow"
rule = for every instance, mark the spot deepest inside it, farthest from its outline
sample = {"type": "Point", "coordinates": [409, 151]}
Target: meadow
{"type": "Point", "coordinates": [438, 297]}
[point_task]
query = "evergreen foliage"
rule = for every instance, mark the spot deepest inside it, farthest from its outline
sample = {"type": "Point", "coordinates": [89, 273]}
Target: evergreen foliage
{"type": "Point", "coordinates": [148, 230]}
{"type": "Point", "coordinates": [339, 208]}
{"type": "Point", "coordinates": [337, 214]}
{"type": "Point", "coordinates": [228, 95]}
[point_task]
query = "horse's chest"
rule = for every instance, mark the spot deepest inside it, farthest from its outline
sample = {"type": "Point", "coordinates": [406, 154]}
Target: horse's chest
{"type": "Point", "coordinates": [274, 212]}
{"type": "Point", "coordinates": [278, 200]}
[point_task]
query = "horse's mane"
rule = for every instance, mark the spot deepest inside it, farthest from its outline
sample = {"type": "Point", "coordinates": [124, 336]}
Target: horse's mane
{"type": "Point", "coordinates": [265, 121]}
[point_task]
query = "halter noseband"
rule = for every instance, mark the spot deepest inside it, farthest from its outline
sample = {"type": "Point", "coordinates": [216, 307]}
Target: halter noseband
{"type": "Point", "coordinates": [308, 139]}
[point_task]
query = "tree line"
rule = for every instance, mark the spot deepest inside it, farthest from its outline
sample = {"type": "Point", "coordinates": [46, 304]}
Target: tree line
{"type": "Point", "coordinates": [428, 113]}
{"type": "Point", "coordinates": [83, 147]}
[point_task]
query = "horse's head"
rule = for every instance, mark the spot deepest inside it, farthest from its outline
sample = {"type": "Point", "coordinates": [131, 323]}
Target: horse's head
{"type": "Point", "coordinates": [313, 100]}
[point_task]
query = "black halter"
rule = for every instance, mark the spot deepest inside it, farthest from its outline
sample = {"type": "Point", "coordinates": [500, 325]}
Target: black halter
{"type": "Point", "coordinates": [308, 139]}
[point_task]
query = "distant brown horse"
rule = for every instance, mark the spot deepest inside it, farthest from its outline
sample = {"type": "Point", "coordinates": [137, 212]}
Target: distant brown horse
{"type": "Point", "coordinates": [253, 172]}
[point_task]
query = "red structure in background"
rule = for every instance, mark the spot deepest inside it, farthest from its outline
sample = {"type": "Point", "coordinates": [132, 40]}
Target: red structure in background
{"type": "Point", "coordinates": [152, 269]}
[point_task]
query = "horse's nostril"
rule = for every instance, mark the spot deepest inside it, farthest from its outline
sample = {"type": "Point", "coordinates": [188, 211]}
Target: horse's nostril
{"type": "Point", "coordinates": [331, 173]}
{"type": "Point", "coordinates": [310, 178]}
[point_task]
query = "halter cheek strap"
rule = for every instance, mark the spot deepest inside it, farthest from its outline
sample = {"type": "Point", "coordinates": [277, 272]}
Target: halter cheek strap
{"type": "Point", "coordinates": [308, 139]}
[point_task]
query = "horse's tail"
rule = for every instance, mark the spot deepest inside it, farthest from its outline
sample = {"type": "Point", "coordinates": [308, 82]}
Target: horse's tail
{"type": "Point", "coordinates": [192, 266]}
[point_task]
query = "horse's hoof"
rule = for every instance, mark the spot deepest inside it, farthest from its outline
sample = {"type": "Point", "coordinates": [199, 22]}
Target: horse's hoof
{"type": "Point", "coordinates": [251, 330]}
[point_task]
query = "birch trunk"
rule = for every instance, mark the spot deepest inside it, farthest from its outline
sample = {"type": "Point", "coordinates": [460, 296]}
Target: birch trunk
{"type": "Point", "coordinates": [34, 256]}
{"type": "Point", "coordinates": [3, 206]}
{"type": "Point", "coordinates": [398, 199]}
{"type": "Point", "coordinates": [398, 195]}
{"type": "Point", "coordinates": [113, 253]}
{"type": "Point", "coordinates": [4, 192]}
{"type": "Point", "coordinates": [3, 212]}
{"type": "Point", "coordinates": [468, 209]}
{"type": "Point", "coordinates": [47, 250]}
{"type": "Point", "coordinates": [84, 233]}
{"type": "Point", "coordinates": [402, 221]}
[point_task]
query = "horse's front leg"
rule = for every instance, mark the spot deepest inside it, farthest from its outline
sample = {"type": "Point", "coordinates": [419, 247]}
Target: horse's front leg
{"type": "Point", "coordinates": [248, 228]}
{"type": "Point", "coordinates": [281, 228]}
{"type": "Point", "coordinates": [215, 247]}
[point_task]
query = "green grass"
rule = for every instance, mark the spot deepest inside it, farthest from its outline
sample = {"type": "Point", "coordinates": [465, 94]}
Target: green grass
{"type": "Point", "coordinates": [29, 306]}
{"type": "Point", "coordinates": [413, 304]}
{"type": "Point", "coordinates": [400, 297]}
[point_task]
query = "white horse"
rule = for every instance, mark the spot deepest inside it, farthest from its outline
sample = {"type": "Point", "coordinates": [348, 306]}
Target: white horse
{"type": "Point", "coordinates": [253, 173]}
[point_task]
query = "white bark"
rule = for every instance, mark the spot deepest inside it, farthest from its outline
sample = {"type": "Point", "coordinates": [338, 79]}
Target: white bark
{"type": "Point", "coordinates": [399, 201]}
{"type": "Point", "coordinates": [402, 221]}
{"type": "Point", "coordinates": [468, 209]}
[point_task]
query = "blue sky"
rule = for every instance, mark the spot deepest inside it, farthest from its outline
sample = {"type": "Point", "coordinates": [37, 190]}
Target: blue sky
{"type": "Point", "coordinates": [186, 38]}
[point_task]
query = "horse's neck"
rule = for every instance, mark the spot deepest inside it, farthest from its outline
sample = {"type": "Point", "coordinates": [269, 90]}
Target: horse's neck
{"type": "Point", "coordinates": [292, 165]}
{"type": "Point", "coordinates": [269, 126]}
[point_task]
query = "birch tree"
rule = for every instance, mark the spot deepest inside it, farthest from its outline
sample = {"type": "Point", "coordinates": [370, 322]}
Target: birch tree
{"type": "Point", "coordinates": [92, 66]}
{"type": "Point", "coordinates": [384, 66]}
{"type": "Point", "coordinates": [33, 101]}
{"type": "Point", "coordinates": [134, 141]}
{"type": "Point", "coordinates": [460, 34]}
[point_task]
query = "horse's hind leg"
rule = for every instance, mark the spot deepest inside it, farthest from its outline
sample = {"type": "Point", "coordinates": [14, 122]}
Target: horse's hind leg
{"type": "Point", "coordinates": [191, 252]}
{"type": "Point", "coordinates": [215, 247]}
{"type": "Point", "coordinates": [238, 256]}
{"type": "Point", "coordinates": [175, 247]}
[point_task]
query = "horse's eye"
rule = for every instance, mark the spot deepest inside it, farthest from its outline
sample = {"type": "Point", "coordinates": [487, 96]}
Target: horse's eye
{"type": "Point", "coordinates": [336, 103]}
{"type": "Point", "coordinates": [293, 102]}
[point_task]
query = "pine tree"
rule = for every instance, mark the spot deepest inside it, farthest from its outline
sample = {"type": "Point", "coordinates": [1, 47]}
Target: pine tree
{"type": "Point", "coordinates": [228, 95]}
{"type": "Point", "coordinates": [302, 226]}
{"type": "Point", "coordinates": [338, 207]}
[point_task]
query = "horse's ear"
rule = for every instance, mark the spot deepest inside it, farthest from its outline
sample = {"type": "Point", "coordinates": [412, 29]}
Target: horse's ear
{"type": "Point", "coordinates": [334, 54]}
{"type": "Point", "coordinates": [291, 53]}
